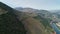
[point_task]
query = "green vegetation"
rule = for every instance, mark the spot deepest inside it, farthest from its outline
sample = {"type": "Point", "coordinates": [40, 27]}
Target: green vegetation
{"type": "Point", "coordinates": [10, 25]}
{"type": "Point", "coordinates": [45, 22]}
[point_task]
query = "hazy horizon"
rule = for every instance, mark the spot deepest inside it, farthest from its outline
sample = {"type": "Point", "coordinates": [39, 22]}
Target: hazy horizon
{"type": "Point", "coordinates": [36, 4]}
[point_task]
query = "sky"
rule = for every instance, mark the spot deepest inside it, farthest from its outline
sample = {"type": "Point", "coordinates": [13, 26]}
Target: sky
{"type": "Point", "coordinates": [36, 4]}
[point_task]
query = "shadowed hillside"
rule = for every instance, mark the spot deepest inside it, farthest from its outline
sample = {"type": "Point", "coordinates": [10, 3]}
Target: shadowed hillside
{"type": "Point", "coordinates": [9, 24]}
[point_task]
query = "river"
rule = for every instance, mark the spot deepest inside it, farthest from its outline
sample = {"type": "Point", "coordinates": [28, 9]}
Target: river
{"type": "Point", "coordinates": [55, 28]}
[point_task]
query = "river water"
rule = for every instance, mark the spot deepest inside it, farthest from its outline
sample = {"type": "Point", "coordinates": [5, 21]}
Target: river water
{"type": "Point", "coordinates": [55, 28]}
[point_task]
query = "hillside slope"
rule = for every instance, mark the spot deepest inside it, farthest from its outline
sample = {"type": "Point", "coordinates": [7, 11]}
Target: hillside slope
{"type": "Point", "coordinates": [9, 24]}
{"type": "Point", "coordinates": [32, 25]}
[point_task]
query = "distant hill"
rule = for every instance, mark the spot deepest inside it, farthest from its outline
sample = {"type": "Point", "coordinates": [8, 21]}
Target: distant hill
{"type": "Point", "coordinates": [36, 21]}
{"type": "Point", "coordinates": [44, 13]}
{"type": "Point", "coordinates": [25, 9]}
{"type": "Point", "coordinates": [57, 14]}
{"type": "Point", "coordinates": [55, 11]}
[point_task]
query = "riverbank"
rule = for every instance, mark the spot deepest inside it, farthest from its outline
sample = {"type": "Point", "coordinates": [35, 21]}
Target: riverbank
{"type": "Point", "coordinates": [56, 29]}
